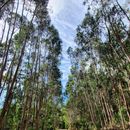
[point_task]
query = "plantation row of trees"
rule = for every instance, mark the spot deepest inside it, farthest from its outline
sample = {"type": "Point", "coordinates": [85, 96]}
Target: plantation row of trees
{"type": "Point", "coordinates": [30, 51]}
{"type": "Point", "coordinates": [98, 89]}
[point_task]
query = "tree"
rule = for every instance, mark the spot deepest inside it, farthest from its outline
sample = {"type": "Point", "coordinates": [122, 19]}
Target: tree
{"type": "Point", "coordinates": [99, 78]}
{"type": "Point", "coordinates": [30, 76]}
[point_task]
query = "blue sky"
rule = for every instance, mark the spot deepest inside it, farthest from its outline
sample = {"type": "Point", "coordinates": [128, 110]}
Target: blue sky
{"type": "Point", "coordinates": [66, 15]}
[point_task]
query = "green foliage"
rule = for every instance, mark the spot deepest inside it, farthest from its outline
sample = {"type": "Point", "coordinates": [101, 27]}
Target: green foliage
{"type": "Point", "coordinates": [97, 87]}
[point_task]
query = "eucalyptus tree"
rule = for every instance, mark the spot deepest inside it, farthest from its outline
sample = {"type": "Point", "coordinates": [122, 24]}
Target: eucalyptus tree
{"type": "Point", "coordinates": [30, 75]}
{"type": "Point", "coordinates": [100, 78]}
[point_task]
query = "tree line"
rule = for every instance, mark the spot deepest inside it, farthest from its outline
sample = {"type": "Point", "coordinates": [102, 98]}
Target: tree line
{"type": "Point", "coordinates": [30, 52]}
{"type": "Point", "coordinates": [99, 84]}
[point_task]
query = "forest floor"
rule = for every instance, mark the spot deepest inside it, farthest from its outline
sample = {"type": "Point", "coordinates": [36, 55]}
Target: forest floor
{"type": "Point", "coordinates": [62, 129]}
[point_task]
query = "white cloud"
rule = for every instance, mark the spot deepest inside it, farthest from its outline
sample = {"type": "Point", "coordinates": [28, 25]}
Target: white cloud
{"type": "Point", "coordinates": [55, 6]}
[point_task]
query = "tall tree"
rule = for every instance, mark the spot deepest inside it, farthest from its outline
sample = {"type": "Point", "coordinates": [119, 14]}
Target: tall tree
{"type": "Point", "coordinates": [99, 80]}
